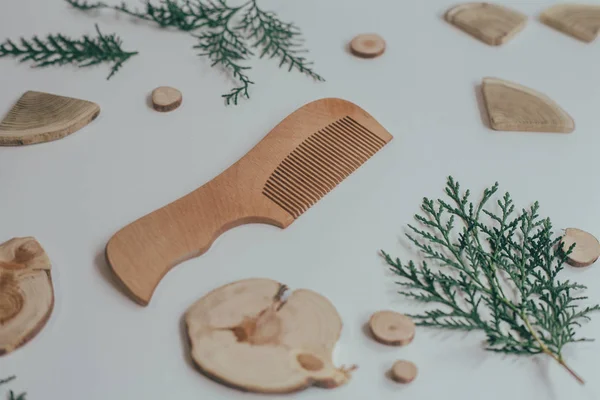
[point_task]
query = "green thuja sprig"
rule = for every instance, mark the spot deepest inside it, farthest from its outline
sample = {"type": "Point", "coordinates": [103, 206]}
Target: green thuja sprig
{"type": "Point", "coordinates": [184, 15]}
{"type": "Point", "coordinates": [12, 396]}
{"type": "Point", "coordinates": [59, 49]}
{"type": "Point", "coordinates": [6, 380]}
{"type": "Point", "coordinates": [225, 34]}
{"type": "Point", "coordinates": [224, 46]}
{"type": "Point", "coordinates": [277, 39]}
{"type": "Point", "coordinates": [497, 273]}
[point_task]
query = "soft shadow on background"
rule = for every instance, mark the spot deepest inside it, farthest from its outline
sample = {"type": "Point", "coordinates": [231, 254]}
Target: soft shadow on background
{"type": "Point", "coordinates": [485, 120]}
{"type": "Point", "coordinates": [185, 343]}
{"type": "Point", "coordinates": [103, 268]}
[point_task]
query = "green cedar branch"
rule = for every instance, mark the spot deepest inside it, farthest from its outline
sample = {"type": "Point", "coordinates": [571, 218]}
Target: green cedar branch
{"type": "Point", "coordinates": [59, 49]}
{"type": "Point", "coordinates": [226, 34]}
{"type": "Point", "coordinates": [184, 15]}
{"type": "Point", "coordinates": [6, 380]}
{"type": "Point", "coordinates": [224, 46]}
{"type": "Point", "coordinates": [12, 396]}
{"type": "Point", "coordinates": [276, 38]}
{"type": "Point", "coordinates": [497, 272]}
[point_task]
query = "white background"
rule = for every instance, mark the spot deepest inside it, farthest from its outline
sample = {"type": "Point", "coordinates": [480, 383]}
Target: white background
{"type": "Point", "coordinates": [73, 194]}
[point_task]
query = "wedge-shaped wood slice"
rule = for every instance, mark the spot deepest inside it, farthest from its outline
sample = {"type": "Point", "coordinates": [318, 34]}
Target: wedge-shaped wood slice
{"type": "Point", "coordinates": [490, 23]}
{"type": "Point", "coordinates": [42, 117]}
{"type": "Point", "coordinates": [299, 162]}
{"type": "Point", "coordinates": [512, 107]}
{"type": "Point", "coordinates": [578, 20]}
{"type": "Point", "coordinates": [247, 336]}
{"type": "Point", "coordinates": [26, 294]}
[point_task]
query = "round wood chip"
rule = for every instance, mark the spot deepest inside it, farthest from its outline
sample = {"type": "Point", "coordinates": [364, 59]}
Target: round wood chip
{"type": "Point", "coordinates": [404, 371]}
{"type": "Point", "coordinates": [392, 328]}
{"type": "Point", "coordinates": [587, 247]}
{"type": "Point", "coordinates": [368, 45]}
{"type": "Point", "coordinates": [166, 98]}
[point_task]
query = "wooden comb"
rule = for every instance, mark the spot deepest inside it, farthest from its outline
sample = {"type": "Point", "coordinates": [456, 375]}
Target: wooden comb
{"type": "Point", "coordinates": [301, 160]}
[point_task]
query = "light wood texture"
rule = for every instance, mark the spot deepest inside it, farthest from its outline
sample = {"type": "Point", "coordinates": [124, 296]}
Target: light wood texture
{"type": "Point", "coordinates": [26, 294]}
{"type": "Point", "coordinates": [369, 45]}
{"type": "Point", "coordinates": [165, 99]}
{"type": "Point", "coordinates": [247, 336]}
{"type": "Point", "coordinates": [512, 107]}
{"type": "Point", "coordinates": [587, 247]}
{"type": "Point", "coordinates": [404, 371]}
{"type": "Point", "coordinates": [578, 20]}
{"type": "Point", "coordinates": [42, 117]}
{"type": "Point", "coordinates": [490, 23]}
{"type": "Point", "coordinates": [392, 328]}
{"type": "Point", "coordinates": [303, 158]}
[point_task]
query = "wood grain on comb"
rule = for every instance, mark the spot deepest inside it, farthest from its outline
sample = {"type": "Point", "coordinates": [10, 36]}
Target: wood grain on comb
{"type": "Point", "coordinates": [490, 23]}
{"type": "Point", "coordinates": [42, 117]}
{"type": "Point", "coordinates": [26, 293]}
{"type": "Point", "coordinates": [319, 164]}
{"type": "Point", "coordinates": [581, 21]}
{"type": "Point", "coordinates": [512, 107]}
{"type": "Point", "coordinates": [303, 158]}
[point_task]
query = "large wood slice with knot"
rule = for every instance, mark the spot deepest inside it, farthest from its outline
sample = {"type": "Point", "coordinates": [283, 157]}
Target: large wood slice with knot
{"type": "Point", "coordinates": [26, 294]}
{"type": "Point", "coordinates": [581, 21]}
{"type": "Point", "coordinates": [490, 23]}
{"type": "Point", "coordinates": [42, 117]}
{"type": "Point", "coordinates": [248, 336]}
{"type": "Point", "coordinates": [512, 107]}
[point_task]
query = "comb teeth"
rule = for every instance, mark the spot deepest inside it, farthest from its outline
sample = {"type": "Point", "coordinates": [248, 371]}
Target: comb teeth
{"type": "Point", "coordinates": [319, 164]}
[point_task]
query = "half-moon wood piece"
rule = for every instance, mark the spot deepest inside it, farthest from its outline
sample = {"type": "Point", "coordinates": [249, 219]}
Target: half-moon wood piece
{"type": "Point", "coordinates": [26, 294]}
{"type": "Point", "coordinates": [582, 21]}
{"type": "Point", "coordinates": [490, 23]}
{"type": "Point", "coordinates": [246, 335]}
{"type": "Point", "coordinates": [587, 247]}
{"type": "Point", "coordinates": [165, 98]}
{"type": "Point", "coordinates": [392, 328]}
{"type": "Point", "coordinates": [299, 162]}
{"type": "Point", "coordinates": [512, 107]}
{"type": "Point", "coordinates": [404, 371]}
{"type": "Point", "coordinates": [42, 117]}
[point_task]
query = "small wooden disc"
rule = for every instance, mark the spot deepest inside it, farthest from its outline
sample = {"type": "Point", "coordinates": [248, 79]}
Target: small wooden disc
{"type": "Point", "coordinates": [392, 328]}
{"type": "Point", "coordinates": [368, 45]}
{"type": "Point", "coordinates": [166, 98]}
{"type": "Point", "coordinates": [587, 247]}
{"type": "Point", "coordinates": [404, 371]}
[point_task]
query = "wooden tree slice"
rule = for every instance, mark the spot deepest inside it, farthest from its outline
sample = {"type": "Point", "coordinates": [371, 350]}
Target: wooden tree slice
{"type": "Point", "coordinates": [587, 247]}
{"type": "Point", "coordinates": [41, 117]}
{"type": "Point", "coordinates": [367, 45]}
{"type": "Point", "coordinates": [392, 328]}
{"type": "Point", "coordinates": [404, 371]}
{"type": "Point", "coordinates": [166, 99]}
{"type": "Point", "coordinates": [490, 23]}
{"type": "Point", "coordinates": [26, 294]}
{"type": "Point", "coordinates": [512, 107]}
{"type": "Point", "coordinates": [578, 20]}
{"type": "Point", "coordinates": [245, 335]}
